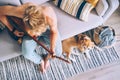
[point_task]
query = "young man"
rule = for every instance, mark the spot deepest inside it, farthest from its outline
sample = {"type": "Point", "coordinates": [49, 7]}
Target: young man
{"type": "Point", "coordinates": [38, 19]}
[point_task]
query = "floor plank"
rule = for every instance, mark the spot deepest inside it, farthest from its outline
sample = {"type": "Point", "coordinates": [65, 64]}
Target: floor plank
{"type": "Point", "coordinates": [106, 72]}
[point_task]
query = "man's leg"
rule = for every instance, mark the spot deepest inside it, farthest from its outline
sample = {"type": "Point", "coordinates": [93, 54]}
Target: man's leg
{"type": "Point", "coordinates": [45, 39]}
{"type": "Point", "coordinates": [28, 50]}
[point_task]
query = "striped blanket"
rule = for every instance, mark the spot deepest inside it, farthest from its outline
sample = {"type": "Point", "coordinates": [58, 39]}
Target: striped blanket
{"type": "Point", "coordinates": [21, 69]}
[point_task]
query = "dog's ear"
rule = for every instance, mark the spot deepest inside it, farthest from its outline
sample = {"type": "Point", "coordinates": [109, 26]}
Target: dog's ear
{"type": "Point", "coordinates": [81, 36]}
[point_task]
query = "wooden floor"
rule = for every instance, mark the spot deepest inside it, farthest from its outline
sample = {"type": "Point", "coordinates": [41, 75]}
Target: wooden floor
{"type": "Point", "coordinates": [109, 71]}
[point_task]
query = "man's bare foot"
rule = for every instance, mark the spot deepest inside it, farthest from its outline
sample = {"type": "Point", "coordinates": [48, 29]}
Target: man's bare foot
{"type": "Point", "coordinates": [46, 64]}
{"type": "Point", "coordinates": [42, 69]}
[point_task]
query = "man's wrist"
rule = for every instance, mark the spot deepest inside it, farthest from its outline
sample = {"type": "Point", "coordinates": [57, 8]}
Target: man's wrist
{"type": "Point", "coordinates": [13, 30]}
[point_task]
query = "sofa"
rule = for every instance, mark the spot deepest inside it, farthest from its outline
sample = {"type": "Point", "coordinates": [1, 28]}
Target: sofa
{"type": "Point", "coordinates": [68, 26]}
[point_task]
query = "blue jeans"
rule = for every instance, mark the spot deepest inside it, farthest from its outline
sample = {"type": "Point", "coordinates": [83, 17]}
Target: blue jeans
{"type": "Point", "coordinates": [29, 47]}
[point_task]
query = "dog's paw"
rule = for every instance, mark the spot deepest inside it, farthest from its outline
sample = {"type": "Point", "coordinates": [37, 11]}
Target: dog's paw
{"type": "Point", "coordinates": [87, 55]}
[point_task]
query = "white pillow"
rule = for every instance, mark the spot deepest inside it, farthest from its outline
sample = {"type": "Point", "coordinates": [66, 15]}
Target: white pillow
{"type": "Point", "coordinates": [101, 7]}
{"type": "Point", "coordinates": [34, 1]}
{"type": "Point", "coordinates": [12, 2]}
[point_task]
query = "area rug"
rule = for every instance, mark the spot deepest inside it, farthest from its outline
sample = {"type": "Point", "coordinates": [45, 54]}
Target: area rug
{"type": "Point", "coordinates": [21, 69]}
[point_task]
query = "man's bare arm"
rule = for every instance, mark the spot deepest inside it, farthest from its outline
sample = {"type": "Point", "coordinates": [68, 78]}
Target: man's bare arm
{"type": "Point", "coordinates": [52, 21]}
{"type": "Point", "coordinates": [17, 11]}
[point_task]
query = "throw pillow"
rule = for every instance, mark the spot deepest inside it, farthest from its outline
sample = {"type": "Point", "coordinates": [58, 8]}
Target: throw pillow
{"type": "Point", "coordinates": [102, 36]}
{"type": "Point", "coordinates": [12, 2]}
{"type": "Point", "coordinates": [101, 7]}
{"type": "Point", "coordinates": [77, 8]}
{"type": "Point", "coordinates": [34, 1]}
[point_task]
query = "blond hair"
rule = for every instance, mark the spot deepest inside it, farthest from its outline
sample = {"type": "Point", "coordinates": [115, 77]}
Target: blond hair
{"type": "Point", "coordinates": [35, 19]}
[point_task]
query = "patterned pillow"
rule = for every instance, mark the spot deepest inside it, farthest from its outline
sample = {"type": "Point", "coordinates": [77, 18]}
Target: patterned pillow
{"type": "Point", "coordinates": [78, 8]}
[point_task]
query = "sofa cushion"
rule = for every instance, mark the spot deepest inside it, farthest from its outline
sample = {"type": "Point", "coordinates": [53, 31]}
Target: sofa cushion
{"type": "Point", "coordinates": [104, 36]}
{"type": "Point", "coordinates": [101, 7]}
{"type": "Point", "coordinates": [69, 26]}
{"type": "Point", "coordinates": [34, 1]}
{"type": "Point", "coordinates": [9, 48]}
{"type": "Point", "coordinates": [78, 8]}
{"type": "Point", "coordinates": [12, 2]}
